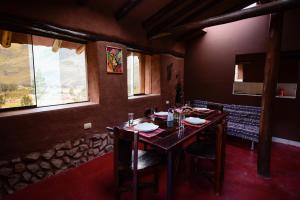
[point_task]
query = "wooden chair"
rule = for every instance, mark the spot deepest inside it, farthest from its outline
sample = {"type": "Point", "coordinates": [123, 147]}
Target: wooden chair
{"type": "Point", "coordinates": [215, 106]}
{"type": "Point", "coordinates": [149, 111]}
{"type": "Point", "coordinates": [130, 163]}
{"type": "Point", "coordinates": [209, 147]}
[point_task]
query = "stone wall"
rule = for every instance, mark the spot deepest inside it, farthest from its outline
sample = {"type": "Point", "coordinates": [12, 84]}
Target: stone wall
{"type": "Point", "coordinates": [18, 173]}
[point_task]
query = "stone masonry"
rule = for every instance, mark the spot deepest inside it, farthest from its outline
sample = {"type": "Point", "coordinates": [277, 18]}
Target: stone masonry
{"type": "Point", "coordinates": [18, 173]}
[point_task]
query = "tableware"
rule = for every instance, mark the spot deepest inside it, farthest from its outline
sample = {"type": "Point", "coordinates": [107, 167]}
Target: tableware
{"type": "Point", "coordinates": [152, 114]}
{"type": "Point", "coordinates": [130, 119]}
{"type": "Point", "coordinates": [161, 114]}
{"type": "Point", "coordinates": [201, 109]}
{"type": "Point", "coordinates": [195, 120]}
{"type": "Point", "coordinates": [146, 127]}
{"type": "Point", "coordinates": [180, 119]}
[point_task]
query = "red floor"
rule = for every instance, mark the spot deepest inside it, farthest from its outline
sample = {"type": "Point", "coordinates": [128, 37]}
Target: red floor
{"type": "Point", "coordinates": [94, 180]}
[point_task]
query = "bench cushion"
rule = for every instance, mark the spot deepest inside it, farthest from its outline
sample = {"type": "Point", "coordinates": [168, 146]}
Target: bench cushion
{"type": "Point", "coordinates": [243, 121]}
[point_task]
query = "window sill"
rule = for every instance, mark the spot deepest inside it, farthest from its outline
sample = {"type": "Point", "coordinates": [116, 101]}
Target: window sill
{"type": "Point", "coordinates": [251, 95]}
{"type": "Point", "coordinates": [45, 109]}
{"type": "Point", "coordinates": [143, 96]}
{"type": "Point", "coordinates": [286, 97]}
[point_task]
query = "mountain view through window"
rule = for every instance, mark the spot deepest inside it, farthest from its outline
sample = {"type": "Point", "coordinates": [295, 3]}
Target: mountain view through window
{"type": "Point", "coordinates": [35, 72]}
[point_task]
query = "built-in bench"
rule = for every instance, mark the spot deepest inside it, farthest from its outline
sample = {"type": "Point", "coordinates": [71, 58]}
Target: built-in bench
{"type": "Point", "coordinates": [243, 121]}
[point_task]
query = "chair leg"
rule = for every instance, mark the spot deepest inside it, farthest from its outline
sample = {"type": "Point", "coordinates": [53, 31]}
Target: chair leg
{"type": "Point", "coordinates": [156, 180]}
{"type": "Point", "coordinates": [117, 195]}
{"type": "Point", "coordinates": [252, 145]}
{"type": "Point", "coordinates": [178, 161]}
{"type": "Point", "coordinates": [145, 147]}
{"type": "Point", "coordinates": [190, 166]}
{"type": "Point", "coordinates": [136, 189]}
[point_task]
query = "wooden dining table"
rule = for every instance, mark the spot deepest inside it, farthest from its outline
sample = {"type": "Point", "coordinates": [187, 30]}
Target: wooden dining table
{"type": "Point", "coordinates": [174, 137]}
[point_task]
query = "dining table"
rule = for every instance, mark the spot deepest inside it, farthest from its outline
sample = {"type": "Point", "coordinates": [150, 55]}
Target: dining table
{"type": "Point", "coordinates": [173, 137]}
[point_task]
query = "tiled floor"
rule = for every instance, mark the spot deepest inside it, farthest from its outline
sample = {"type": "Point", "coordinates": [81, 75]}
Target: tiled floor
{"type": "Point", "coordinates": [94, 180]}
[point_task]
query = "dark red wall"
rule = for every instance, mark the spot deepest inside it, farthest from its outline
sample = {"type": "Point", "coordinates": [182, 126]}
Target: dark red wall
{"type": "Point", "coordinates": [39, 130]}
{"type": "Point", "coordinates": [209, 69]}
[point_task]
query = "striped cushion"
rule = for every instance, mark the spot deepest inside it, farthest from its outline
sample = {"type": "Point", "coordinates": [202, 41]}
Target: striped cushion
{"type": "Point", "coordinates": [243, 121]}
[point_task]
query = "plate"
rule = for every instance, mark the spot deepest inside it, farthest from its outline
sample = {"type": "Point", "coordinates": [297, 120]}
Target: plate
{"type": "Point", "coordinates": [146, 127]}
{"type": "Point", "coordinates": [195, 120]}
{"type": "Point", "coordinates": [201, 109]}
{"type": "Point", "coordinates": [162, 114]}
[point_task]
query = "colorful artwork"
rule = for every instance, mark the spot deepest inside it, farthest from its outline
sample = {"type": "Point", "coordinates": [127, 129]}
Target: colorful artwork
{"type": "Point", "coordinates": [114, 60]}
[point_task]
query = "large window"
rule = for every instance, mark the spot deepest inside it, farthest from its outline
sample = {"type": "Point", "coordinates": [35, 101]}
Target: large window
{"type": "Point", "coordinates": [38, 71]}
{"type": "Point", "coordinates": [249, 74]}
{"type": "Point", "coordinates": [143, 74]}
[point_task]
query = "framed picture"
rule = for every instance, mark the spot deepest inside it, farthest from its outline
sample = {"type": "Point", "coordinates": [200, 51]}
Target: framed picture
{"type": "Point", "coordinates": [114, 60]}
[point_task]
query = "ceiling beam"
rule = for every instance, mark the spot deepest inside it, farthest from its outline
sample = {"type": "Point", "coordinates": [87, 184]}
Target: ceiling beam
{"type": "Point", "coordinates": [190, 10]}
{"type": "Point", "coordinates": [189, 35]}
{"type": "Point", "coordinates": [167, 12]}
{"type": "Point", "coordinates": [126, 8]}
{"type": "Point", "coordinates": [6, 39]}
{"type": "Point", "coordinates": [179, 16]}
{"type": "Point", "coordinates": [259, 10]}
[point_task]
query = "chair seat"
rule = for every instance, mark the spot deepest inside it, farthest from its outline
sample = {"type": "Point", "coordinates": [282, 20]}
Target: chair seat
{"type": "Point", "coordinates": [202, 149]}
{"type": "Point", "coordinates": [146, 159]}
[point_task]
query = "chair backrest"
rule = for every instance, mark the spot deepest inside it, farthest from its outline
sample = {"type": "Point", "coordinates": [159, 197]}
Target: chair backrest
{"type": "Point", "coordinates": [124, 143]}
{"type": "Point", "coordinates": [215, 106]}
{"type": "Point", "coordinates": [125, 154]}
{"type": "Point", "coordinates": [149, 111]}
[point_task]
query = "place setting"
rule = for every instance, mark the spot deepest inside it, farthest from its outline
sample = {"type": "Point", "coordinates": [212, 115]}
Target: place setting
{"type": "Point", "coordinates": [161, 115]}
{"type": "Point", "coordinates": [195, 122]}
{"type": "Point", "coordinates": [148, 129]}
{"type": "Point", "coordinates": [145, 129]}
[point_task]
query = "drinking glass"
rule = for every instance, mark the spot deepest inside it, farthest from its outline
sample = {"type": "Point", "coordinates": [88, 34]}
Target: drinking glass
{"type": "Point", "coordinates": [130, 119]}
{"type": "Point", "coordinates": [152, 114]}
{"type": "Point", "coordinates": [181, 118]}
{"type": "Point", "coordinates": [188, 103]}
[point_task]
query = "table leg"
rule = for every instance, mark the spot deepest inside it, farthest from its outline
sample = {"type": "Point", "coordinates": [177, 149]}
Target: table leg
{"type": "Point", "coordinates": [170, 176]}
{"type": "Point", "coordinates": [220, 158]}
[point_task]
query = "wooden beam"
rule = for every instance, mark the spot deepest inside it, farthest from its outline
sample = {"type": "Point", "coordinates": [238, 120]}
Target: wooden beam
{"type": "Point", "coordinates": [189, 35]}
{"type": "Point", "coordinates": [269, 92]}
{"type": "Point", "coordinates": [181, 14]}
{"type": "Point", "coordinates": [6, 39]}
{"type": "Point", "coordinates": [170, 11]}
{"type": "Point", "coordinates": [194, 9]}
{"type": "Point", "coordinates": [126, 8]}
{"type": "Point", "coordinates": [264, 9]}
{"type": "Point", "coordinates": [80, 49]}
{"type": "Point", "coordinates": [56, 45]}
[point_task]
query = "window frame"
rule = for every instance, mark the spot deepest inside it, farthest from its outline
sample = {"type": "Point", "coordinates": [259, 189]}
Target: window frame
{"type": "Point", "coordinates": [141, 74]}
{"type": "Point", "coordinates": [2, 110]}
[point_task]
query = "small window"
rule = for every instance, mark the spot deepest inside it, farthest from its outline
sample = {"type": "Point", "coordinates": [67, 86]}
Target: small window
{"type": "Point", "coordinates": [143, 74]}
{"type": "Point", "coordinates": [238, 75]}
{"type": "Point", "coordinates": [134, 77]}
{"type": "Point", "coordinates": [38, 71]}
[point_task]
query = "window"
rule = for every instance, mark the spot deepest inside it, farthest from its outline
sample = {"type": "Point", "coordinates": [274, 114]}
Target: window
{"type": "Point", "coordinates": [143, 74]}
{"type": "Point", "coordinates": [238, 75]}
{"type": "Point", "coordinates": [39, 71]}
{"type": "Point", "coordinates": [249, 74]}
{"type": "Point", "coordinates": [134, 77]}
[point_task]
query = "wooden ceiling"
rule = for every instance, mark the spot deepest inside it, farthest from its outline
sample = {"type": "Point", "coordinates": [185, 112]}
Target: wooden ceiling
{"type": "Point", "coordinates": [157, 16]}
{"type": "Point", "coordinates": [172, 13]}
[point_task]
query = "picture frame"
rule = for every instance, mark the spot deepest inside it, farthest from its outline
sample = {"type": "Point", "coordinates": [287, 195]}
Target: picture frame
{"type": "Point", "coordinates": [114, 60]}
